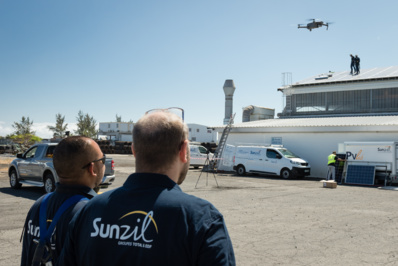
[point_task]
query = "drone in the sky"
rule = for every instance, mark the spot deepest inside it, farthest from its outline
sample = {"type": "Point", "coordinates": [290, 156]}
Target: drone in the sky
{"type": "Point", "coordinates": [314, 24]}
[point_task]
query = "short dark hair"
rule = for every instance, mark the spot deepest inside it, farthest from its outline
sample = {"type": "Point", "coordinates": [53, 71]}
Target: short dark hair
{"type": "Point", "coordinates": [70, 155]}
{"type": "Point", "coordinates": [157, 139]}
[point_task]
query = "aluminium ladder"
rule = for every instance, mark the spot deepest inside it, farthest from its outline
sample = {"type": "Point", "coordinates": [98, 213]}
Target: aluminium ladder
{"type": "Point", "coordinates": [221, 145]}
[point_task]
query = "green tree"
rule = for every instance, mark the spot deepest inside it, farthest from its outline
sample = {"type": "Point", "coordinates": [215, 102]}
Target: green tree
{"type": "Point", "coordinates": [23, 133]}
{"type": "Point", "coordinates": [118, 118]}
{"type": "Point", "coordinates": [60, 128]}
{"type": "Point", "coordinates": [26, 140]}
{"type": "Point", "coordinates": [86, 125]}
{"type": "Point", "coordinates": [24, 127]}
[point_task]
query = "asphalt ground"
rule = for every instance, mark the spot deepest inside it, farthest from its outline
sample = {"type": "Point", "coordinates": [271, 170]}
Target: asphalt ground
{"type": "Point", "coordinates": [271, 221]}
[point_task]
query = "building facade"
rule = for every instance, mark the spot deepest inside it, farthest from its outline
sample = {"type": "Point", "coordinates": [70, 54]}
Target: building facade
{"type": "Point", "coordinates": [201, 133]}
{"type": "Point", "coordinates": [122, 131]}
{"type": "Point", "coordinates": [373, 91]}
{"type": "Point", "coordinates": [325, 110]}
{"type": "Point", "coordinates": [116, 131]}
{"type": "Point", "coordinates": [313, 139]}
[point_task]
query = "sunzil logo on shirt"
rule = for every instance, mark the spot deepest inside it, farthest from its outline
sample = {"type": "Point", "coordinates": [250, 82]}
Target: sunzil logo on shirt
{"type": "Point", "coordinates": [355, 156]}
{"type": "Point", "coordinates": [126, 234]}
{"type": "Point", "coordinates": [33, 230]}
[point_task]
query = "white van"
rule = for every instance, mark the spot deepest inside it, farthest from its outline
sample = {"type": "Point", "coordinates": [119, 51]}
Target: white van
{"type": "Point", "coordinates": [199, 155]}
{"type": "Point", "coordinates": [274, 160]}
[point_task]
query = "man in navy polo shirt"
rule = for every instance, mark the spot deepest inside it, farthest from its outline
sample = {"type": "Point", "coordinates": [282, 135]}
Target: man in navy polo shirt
{"type": "Point", "coordinates": [149, 220]}
{"type": "Point", "coordinates": [76, 160]}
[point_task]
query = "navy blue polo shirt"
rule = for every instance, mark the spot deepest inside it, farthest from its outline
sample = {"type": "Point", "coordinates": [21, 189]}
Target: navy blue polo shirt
{"type": "Point", "coordinates": [148, 221]}
{"type": "Point", "coordinates": [32, 225]}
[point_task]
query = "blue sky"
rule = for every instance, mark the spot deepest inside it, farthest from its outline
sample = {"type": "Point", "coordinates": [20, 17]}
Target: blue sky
{"type": "Point", "coordinates": [126, 57]}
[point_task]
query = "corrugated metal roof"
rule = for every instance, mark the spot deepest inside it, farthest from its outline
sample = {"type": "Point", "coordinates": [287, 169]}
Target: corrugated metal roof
{"type": "Point", "coordinates": [323, 122]}
{"type": "Point", "coordinates": [345, 76]}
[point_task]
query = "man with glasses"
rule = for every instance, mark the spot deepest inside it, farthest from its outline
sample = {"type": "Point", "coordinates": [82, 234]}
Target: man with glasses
{"type": "Point", "coordinates": [79, 164]}
{"type": "Point", "coordinates": [149, 220]}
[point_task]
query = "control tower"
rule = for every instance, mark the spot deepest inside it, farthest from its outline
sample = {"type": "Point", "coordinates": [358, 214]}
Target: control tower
{"type": "Point", "coordinates": [229, 89]}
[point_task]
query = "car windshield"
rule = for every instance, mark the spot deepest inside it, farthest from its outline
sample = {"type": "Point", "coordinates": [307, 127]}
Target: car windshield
{"type": "Point", "coordinates": [287, 153]}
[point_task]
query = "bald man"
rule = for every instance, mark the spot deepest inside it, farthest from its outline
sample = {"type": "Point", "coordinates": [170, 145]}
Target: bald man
{"type": "Point", "coordinates": [79, 164]}
{"type": "Point", "coordinates": [149, 220]}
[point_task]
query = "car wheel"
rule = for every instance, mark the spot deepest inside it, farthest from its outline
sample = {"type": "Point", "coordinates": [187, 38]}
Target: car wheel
{"type": "Point", "coordinates": [49, 183]}
{"type": "Point", "coordinates": [241, 170]}
{"type": "Point", "coordinates": [286, 173]}
{"type": "Point", "coordinates": [14, 182]}
{"type": "Point", "coordinates": [196, 167]}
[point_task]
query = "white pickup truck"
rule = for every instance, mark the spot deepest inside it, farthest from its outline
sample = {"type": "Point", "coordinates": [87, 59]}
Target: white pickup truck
{"type": "Point", "coordinates": [35, 167]}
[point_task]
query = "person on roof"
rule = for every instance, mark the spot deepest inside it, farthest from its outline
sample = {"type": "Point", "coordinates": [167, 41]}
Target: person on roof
{"type": "Point", "coordinates": [357, 60]}
{"type": "Point", "coordinates": [352, 64]}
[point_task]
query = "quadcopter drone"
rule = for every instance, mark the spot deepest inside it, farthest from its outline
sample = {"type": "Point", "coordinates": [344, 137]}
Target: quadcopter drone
{"type": "Point", "coordinates": [314, 24]}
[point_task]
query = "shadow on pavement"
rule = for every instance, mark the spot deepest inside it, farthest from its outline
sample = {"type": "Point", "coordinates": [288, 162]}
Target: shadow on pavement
{"type": "Point", "coordinates": [32, 193]}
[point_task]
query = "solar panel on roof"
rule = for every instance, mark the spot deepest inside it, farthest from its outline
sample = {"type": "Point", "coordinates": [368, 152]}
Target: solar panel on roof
{"type": "Point", "coordinates": [360, 174]}
{"type": "Point", "coordinates": [366, 74]}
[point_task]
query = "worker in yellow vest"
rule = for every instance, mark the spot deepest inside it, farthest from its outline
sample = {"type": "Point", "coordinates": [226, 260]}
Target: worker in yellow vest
{"type": "Point", "coordinates": [331, 166]}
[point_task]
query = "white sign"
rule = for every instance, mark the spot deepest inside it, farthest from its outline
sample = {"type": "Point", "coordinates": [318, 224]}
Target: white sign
{"type": "Point", "coordinates": [276, 140]}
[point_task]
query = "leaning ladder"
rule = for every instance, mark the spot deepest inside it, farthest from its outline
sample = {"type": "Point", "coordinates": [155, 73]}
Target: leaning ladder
{"type": "Point", "coordinates": [221, 145]}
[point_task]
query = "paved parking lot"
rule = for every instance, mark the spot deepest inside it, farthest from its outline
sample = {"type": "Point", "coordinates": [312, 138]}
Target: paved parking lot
{"type": "Point", "coordinates": [271, 221]}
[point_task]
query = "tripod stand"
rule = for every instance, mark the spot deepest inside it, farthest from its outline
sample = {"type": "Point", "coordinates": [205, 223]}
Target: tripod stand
{"type": "Point", "coordinates": [206, 165]}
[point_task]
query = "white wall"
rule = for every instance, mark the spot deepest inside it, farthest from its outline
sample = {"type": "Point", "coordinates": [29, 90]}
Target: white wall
{"type": "Point", "coordinates": [119, 131]}
{"type": "Point", "coordinates": [126, 137]}
{"type": "Point", "coordinates": [116, 126]}
{"type": "Point", "coordinates": [201, 133]}
{"type": "Point", "coordinates": [313, 147]}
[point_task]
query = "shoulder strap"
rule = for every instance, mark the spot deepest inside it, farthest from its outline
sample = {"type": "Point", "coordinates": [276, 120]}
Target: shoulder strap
{"type": "Point", "coordinates": [45, 234]}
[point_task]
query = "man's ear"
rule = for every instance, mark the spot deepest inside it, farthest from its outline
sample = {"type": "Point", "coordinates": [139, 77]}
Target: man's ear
{"type": "Point", "coordinates": [91, 169]}
{"type": "Point", "coordinates": [132, 149]}
{"type": "Point", "coordinates": [183, 154]}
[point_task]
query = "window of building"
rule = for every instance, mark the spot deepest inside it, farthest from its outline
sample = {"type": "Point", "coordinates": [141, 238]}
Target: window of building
{"type": "Point", "coordinates": [197, 130]}
{"type": "Point", "coordinates": [209, 131]}
{"type": "Point", "coordinates": [343, 102]}
{"type": "Point", "coordinates": [189, 129]}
